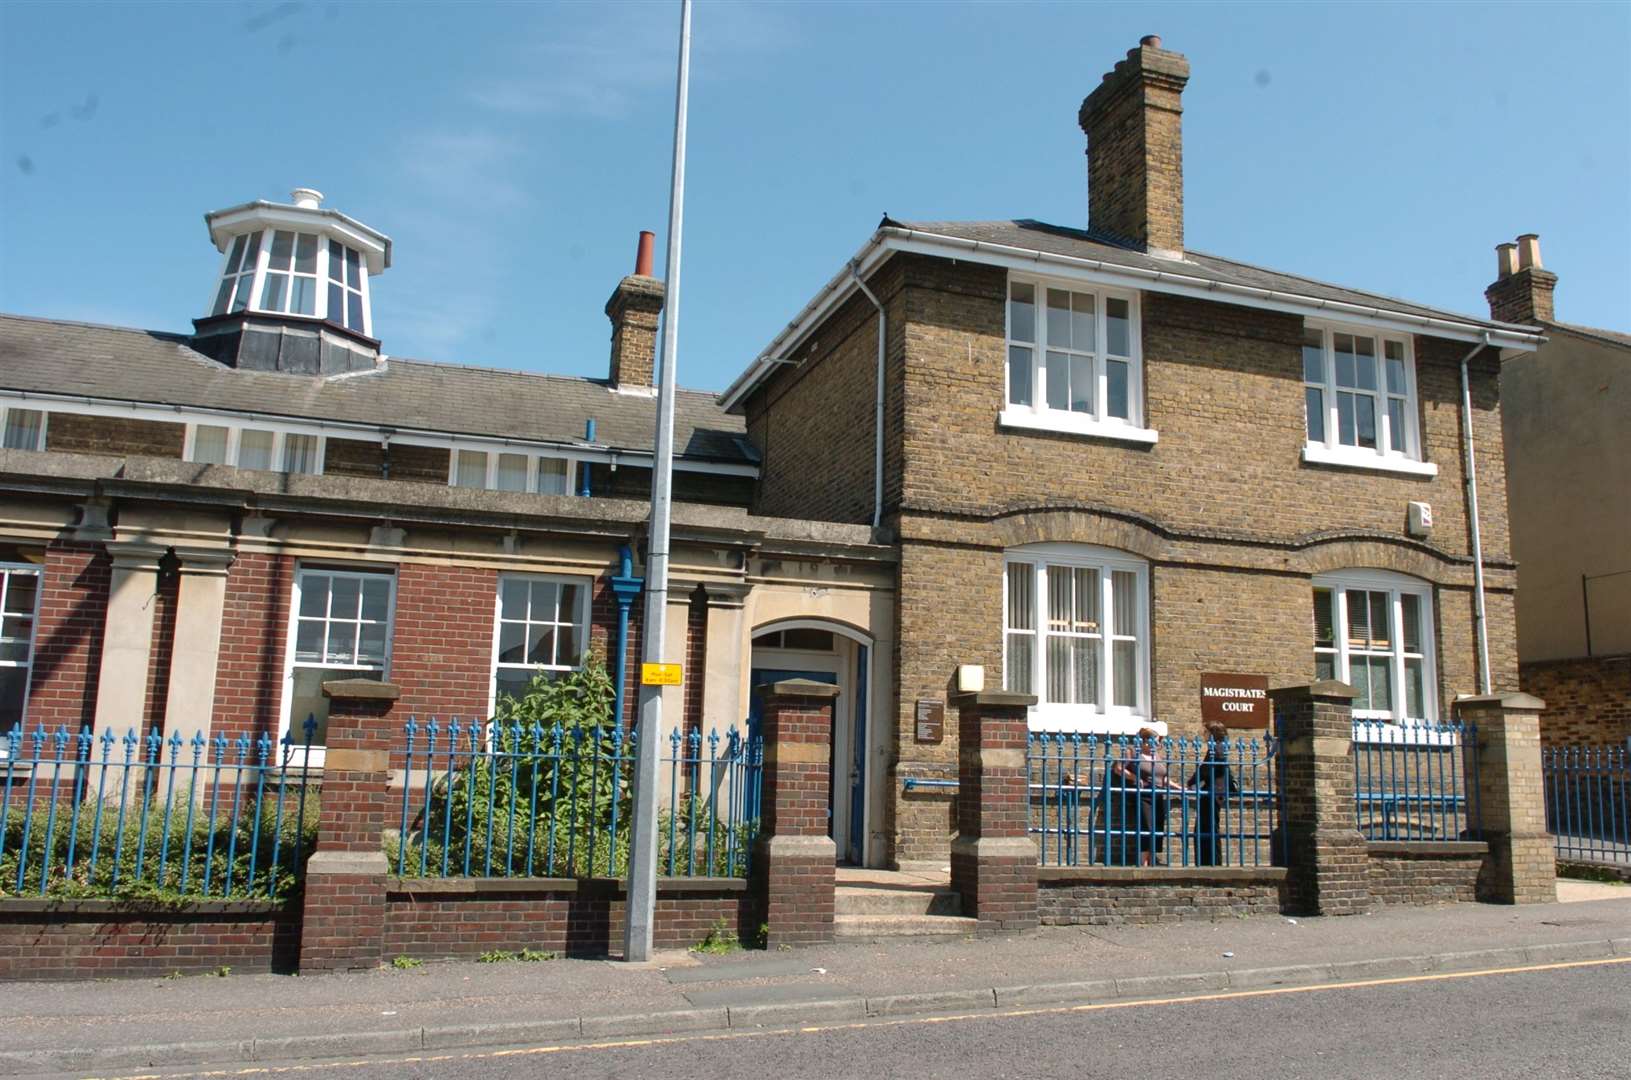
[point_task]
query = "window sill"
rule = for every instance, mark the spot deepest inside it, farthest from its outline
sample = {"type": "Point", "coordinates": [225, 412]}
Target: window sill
{"type": "Point", "coordinates": [1054, 720]}
{"type": "Point", "coordinates": [1068, 424]}
{"type": "Point", "coordinates": [1364, 459]}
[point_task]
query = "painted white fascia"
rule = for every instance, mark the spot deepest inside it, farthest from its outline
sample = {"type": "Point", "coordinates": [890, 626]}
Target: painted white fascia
{"type": "Point", "coordinates": [890, 239]}
{"type": "Point", "coordinates": [225, 224]}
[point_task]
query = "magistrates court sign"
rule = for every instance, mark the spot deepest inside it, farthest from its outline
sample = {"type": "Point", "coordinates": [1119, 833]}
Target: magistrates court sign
{"type": "Point", "coordinates": [1240, 701]}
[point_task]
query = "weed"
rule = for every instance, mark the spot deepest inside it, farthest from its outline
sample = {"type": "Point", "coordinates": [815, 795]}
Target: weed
{"type": "Point", "coordinates": [407, 963]}
{"type": "Point", "coordinates": [721, 939]}
{"type": "Point", "coordinates": [525, 956]}
{"type": "Point", "coordinates": [221, 972]}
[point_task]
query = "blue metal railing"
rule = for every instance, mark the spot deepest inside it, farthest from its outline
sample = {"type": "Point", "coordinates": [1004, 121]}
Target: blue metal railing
{"type": "Point", "coordinates": [84, 815]}
{"type": "Point", "coordinates": [512, 799]}
{"type": "Point", "coordinates": [1415, 780]}
{"type": "Point", "coordinates": [1588, 801]}
{"type": "Point", "coordinates": [1098, 800]}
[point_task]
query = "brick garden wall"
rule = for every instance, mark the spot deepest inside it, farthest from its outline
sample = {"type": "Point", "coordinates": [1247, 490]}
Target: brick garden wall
{"type": "Point", "coordinates": [1116, 896]}
{"type": "Point", "coordinates": [92, 939]}
{"type": "Point", "coordinates": [1588, 699]}
{"type": "Point", "coordinates": [1422, 874]}
{"type": "Point", "coordinates": [463, 918]}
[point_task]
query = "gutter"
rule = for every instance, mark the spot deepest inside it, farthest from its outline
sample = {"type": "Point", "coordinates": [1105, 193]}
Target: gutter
{"type": "Point", "coordinates": [892, 238]}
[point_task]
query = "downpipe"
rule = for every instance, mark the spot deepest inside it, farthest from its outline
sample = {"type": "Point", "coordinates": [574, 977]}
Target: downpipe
{"type": "Point", "coordinates": [1471, 471]}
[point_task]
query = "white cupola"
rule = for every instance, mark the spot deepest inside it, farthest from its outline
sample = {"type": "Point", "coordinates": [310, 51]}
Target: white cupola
{"type": "Point", "coordinates": [293, 292]}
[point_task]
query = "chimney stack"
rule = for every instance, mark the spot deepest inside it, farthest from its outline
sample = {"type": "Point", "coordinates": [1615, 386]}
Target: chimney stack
{"type": "Point", "coordinates": [1135, 150]}
{"type": "Point", "coordinates": [1522, 292]}
{"type": "Point", "coordinates": [634, 308]}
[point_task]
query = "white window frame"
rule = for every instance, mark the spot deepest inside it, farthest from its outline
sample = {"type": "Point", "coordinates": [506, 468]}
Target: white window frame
{"type": "Point", "coordinates": [298, 751]}
{"type": "Point", "coordinates": [490, 480]}
{"type": "Point", "coordinates": [1331, 450]}
{"type": "Point", "coordinates": [1038, 415]}
{"type": "Point", "coordinates": [585, 586]}
{"type": "Point", "coordinates": [1395, 585]}
{"type": "Point", "coordinates": [38, 573]}
{"type": "Point", "coordinates": [280, 437]}
{"type": "Point", "coordinates": [1101, 717]}
{"type": "Point", "coordinates": [45, 420]}
{"type": "Point", "coordinates": [263, 260]}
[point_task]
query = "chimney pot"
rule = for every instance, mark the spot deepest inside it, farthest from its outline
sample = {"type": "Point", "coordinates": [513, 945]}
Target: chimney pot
{"type": "Point", "coordinates": [306, 198]}
{"type": "Point", "coordinates": [1152, 41]}
{"type": "Point", "coordinates": [642, 255]}
{"type": "Point", "coordinates": [1506, 260]}
{"type": "Point", "coordinates": [1529, 251]}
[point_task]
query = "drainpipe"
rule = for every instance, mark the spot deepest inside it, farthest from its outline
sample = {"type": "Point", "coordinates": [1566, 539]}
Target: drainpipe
{"type": "Point", "coordinates": [625, 588]}
{"type": "Point", "coordinates": [588, 437]}
{"type": "Point", "coordinates": [1471, 471]}
{"type": "Point", "coordinates": [877, 421]}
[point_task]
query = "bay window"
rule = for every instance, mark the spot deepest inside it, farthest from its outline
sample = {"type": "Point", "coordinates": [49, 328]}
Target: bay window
{"type": "Point", "coordinates": [339, 628]}
{"type": "Point", "coordinates": [541, 625]}
{"type": "Point", "coordinates": [1359, 397]}
{"type": "Point", "coordinates": [1073, 360]}
{"type": "Point", "coordinates": [1076, 634]}
{"type": "Point", "coordinates": [1374, 631]}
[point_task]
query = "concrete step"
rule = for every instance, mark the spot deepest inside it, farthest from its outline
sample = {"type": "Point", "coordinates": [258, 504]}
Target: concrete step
{"type": "Point", "coordinates": [895, 900]}
{"type": "Point", "coordinates": [877, 927]}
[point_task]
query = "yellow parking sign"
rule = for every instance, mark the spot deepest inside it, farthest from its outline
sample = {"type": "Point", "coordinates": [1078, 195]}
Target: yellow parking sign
{"type": "Point", "coordinates": [660, 674]}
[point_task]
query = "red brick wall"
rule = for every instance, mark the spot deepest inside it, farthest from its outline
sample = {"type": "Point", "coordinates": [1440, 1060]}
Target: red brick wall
{"type": "Point", "coordinates": [68, 641]}
{"type": "Point", "coordinates": [1588, 699]}
{"type": "Point", "coordinates": [96, 939]}
{"type": "Point", "coordinates": [254, 630]}
{"type": "Point", "coordinates": [442, 652]}
{"type": "Point", "coordinates": [435, 925]}
{"type": "Point", "coordinates": [163, 646]}
{"type": "Point", "coordinates": [603, 639]}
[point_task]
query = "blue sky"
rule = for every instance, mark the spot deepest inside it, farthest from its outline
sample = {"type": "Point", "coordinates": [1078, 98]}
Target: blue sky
{"type": "Point", "coordinates": [513, 151]}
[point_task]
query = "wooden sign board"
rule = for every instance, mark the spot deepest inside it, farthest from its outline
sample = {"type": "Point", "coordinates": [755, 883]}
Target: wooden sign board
{"type": "Point", "coordinates": [1239, 701]}
{"type": "Point", "coordinates": [660, 674]}
{"type": "Point", "coordinates": [931, 720]}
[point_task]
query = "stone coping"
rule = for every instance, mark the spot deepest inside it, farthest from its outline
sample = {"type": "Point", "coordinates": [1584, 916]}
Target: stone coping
{"type": "Point", "coordinates": [430, 888]}
{"type": "Point", "coordinates": [1430, 849]}
{"type": "Point", "coordinates": [1000, 699]}
{"type": "Point", "coordinates": [1159, 875]}
{"type": "Point", "coordinates": [141, 909]}
{"type": "Point", "coordinates": [807, 688]}
{"type": "Point", "coordinates": [361, 690]}
{"type": "Point", "coordinates": [1325, 688]}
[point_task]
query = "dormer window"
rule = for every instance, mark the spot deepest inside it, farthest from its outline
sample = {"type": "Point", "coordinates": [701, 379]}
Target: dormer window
{"type": "Point", "coordinates": [238, 279]}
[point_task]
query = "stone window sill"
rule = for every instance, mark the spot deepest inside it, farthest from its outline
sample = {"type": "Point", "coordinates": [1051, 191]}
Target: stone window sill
{"type": "Point", "coordinates": [1364, 459]}
{"type": "Point", "coordinates": [1068, 424]}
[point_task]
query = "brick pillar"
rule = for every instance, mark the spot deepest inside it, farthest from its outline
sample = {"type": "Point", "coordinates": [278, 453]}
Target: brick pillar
{"type": "Point", "coordinates": [993, 859]}
{"type": "Point", "coordinates": [793, 856]}
{"type": "Point", "coordinates": [1522, 863]}
{"type": "Point", "coordinates": [1327, 860]}
{"type": "Point", "coordinates": [343, 921]}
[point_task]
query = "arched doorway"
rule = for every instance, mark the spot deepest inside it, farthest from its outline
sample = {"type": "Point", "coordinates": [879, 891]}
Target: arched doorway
{"type": "Point", "coordinates": [828, 652]}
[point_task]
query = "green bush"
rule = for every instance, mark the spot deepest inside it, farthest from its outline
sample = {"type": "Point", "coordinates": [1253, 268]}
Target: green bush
{"type": "Point", "coordinates": [160, 856]}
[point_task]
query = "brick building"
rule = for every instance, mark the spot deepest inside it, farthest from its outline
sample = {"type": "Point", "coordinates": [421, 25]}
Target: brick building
{"type": "Point", "coordinates": [1091, 461]}
{"type": "Point", "coordinates": [1109, 464]}
{"type": "Point", "coordinates": [1569, 493]}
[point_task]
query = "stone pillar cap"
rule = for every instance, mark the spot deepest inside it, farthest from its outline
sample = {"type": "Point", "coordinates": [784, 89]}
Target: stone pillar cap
{"type": "Point", "coordinates": [361, 690]}
{"type": "Point", "coordinates": [1000, 698]}
{"type": "Point", "coordinates": [1326, 688]}
{"type": "Point", "coordinates": [797, 688]}
{"type": "Point", "coordinates": [1510, 700]}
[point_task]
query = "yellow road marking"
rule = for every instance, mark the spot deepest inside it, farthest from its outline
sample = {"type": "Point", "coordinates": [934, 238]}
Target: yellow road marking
{"type": "Point", "coordinates": [759, 1033]}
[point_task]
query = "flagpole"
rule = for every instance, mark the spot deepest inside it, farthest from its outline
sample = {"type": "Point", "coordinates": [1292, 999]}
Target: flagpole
{"type": "Point", "coordinates": [642, 896]}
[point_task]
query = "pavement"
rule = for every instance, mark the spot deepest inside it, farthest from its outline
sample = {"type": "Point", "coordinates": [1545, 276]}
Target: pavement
{"type": "Point", "coordinates": [133, 1024]}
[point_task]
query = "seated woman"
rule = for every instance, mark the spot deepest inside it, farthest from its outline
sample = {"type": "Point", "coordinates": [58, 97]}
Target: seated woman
{"type": "Point", "coordinates": [1134, 805]}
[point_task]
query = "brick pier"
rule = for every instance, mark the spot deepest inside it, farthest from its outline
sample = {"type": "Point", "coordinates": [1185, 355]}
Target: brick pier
{"type": "Point", "coordinates": [793, 857]}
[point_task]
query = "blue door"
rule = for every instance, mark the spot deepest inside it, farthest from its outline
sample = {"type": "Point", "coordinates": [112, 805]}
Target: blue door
{"type": "Point", "coordinates": [857, 774]}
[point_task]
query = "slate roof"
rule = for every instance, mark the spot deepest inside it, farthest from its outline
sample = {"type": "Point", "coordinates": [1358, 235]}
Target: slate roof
{"type": "Point", "coordinates": [50, 356]}
{"type": "Point", "coordinates": [1085, 244]}
{"type": "Point", "coordinates": [1612, 337]}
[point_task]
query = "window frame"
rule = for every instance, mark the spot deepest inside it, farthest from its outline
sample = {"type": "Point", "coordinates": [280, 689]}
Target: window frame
{"type": "Point", "coordinates": [1331, 450]}
{"type": "Point", "coordinates": [258, 273]}
{"type": "Point", "coordinates": [585, 585]}
{"type": "Point", "coordinates": [1038, 415]}
{"type": "Point", "coordinates": [490, 473]}
{"type": "Point", "coordinates": [1102, 717]}
{"type": "Point", "coordinates": [298, 754]}
{"type": "Point", "coordinates": [281, 433]}
{"type": "Point", "coordinates": [1395, 585]}
{"type": "Point", "coordinates": [27, 666]}
{"type": "Point", "coordinates": [5, 422]}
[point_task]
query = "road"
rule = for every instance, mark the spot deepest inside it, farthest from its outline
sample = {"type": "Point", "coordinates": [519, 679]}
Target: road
{"type": "Point", "coordinates": [1567, 1020]}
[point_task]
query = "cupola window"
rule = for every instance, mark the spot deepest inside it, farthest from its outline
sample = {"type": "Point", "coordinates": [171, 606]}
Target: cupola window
{"type": "Point", "coordinates": [345, 305]}
{"type": "Point", "coordinates": [291, 274]}
{"type": "Point", "coordinates": [238, 280]}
